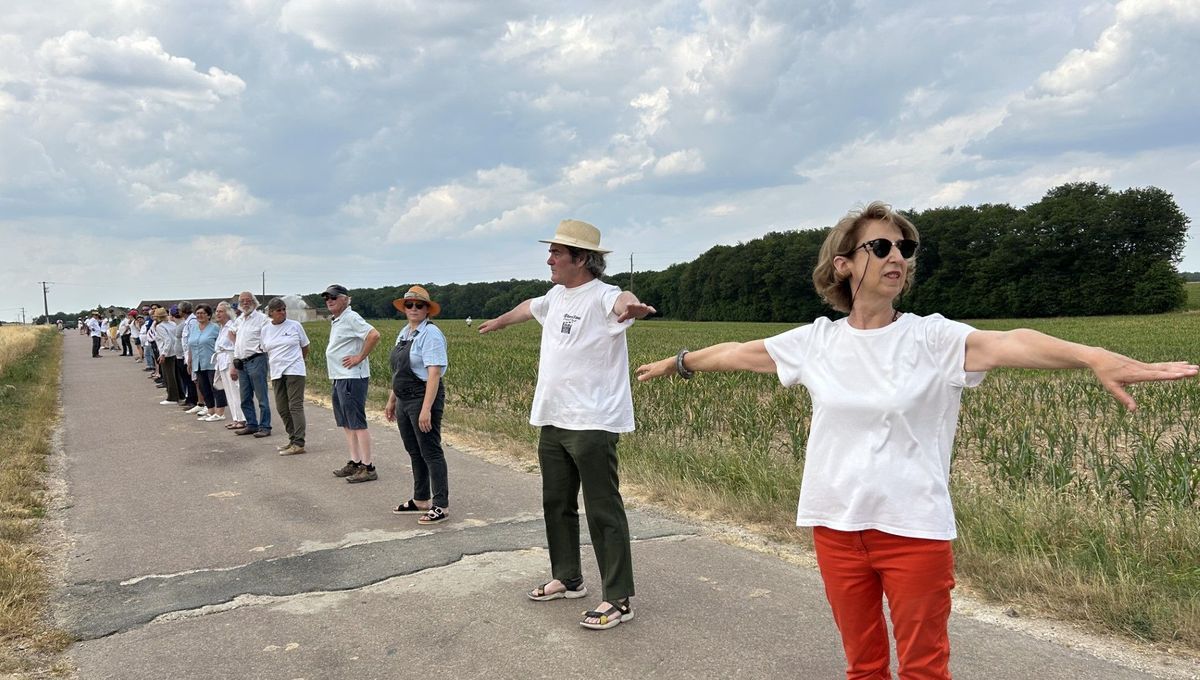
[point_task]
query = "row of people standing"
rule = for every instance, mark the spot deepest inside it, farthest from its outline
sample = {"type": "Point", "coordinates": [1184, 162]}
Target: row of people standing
{"type": "Point", "coordinates": [218, 363]}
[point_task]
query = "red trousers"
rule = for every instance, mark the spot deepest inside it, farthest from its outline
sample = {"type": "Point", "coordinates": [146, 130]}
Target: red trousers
{"type": "Point", "coordinates": [916, 575]}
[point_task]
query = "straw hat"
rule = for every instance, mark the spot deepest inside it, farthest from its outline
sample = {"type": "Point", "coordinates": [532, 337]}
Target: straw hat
{"type": "Point", "coordinates": [418, 293]}
{"type": "Point", "coordinates": [577, 234]}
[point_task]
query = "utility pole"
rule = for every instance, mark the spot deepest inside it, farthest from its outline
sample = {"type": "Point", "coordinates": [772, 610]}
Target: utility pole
{"type": "Point", "coordinates": [630, 272]}
{"type": "Point", "coordinates": [45, 302]}
{"type": "Point", "coordinates": [264, 284]}
{"type": "Point", "coordinates": [22, 316]}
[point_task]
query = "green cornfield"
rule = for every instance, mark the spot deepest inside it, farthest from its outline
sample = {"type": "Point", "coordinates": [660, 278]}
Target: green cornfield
{"type": "Point", "coordinates": [1066, 503]}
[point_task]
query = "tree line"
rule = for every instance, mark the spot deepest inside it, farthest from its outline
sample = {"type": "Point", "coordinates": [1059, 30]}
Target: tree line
{"type": "Point", "coordinates": [1081, 250]}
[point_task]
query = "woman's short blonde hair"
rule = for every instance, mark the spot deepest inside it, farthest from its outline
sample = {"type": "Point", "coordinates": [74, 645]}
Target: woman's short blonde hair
{"type": "Point", "coordinates": [834, 288]}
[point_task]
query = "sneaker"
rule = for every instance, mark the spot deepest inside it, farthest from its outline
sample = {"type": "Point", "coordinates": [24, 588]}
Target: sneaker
{"type": "Point", "coordinates": [363, 474]}
{"type": "Point", "coordinates": [213, 417]}
{"type": "Point", "coordinates": [292, 450]}
{"type": "Point", "coordinates": [194, 409]}
{"type": "Point", "coordinates": [348, 469]}
{"type": "Point", "coordinates": [245, 430]}
{"type": "Point", "coordinates": [166, 402]}
{"type": "Point", "coordinates": [283, 446]}
{"type": "Point", "coordinates": [202, 412]}
{"type": "Point", "coordinates": [262, 433]}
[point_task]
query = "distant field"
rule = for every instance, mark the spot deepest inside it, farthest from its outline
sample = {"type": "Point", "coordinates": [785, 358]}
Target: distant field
{"type": "Point", "coordinates": [1064, 501]}
{"type": "Point", "coordinates": [1193, 294]}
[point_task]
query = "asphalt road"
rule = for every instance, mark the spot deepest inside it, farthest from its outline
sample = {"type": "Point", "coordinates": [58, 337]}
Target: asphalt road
{"type": "Point", "coordinates": [191, 553]}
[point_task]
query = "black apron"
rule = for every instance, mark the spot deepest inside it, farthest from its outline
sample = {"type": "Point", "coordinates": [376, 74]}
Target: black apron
{"type": "Point", "coordinates": [405, 384]}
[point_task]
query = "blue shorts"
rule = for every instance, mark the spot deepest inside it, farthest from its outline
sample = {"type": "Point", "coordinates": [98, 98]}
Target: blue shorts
{"type": "Point", "coordinates": [350, 403]}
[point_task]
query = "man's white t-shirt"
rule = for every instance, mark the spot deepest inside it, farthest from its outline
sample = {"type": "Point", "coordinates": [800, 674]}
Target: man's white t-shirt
{"type": "Point", "coordinates": [347, 337]}
{"type": "Point", "coordinates": [583, 371]}
{"type": "Point", "coordinates": [282, 343]}
{"type": "Point", "coordinates": [885, 411]}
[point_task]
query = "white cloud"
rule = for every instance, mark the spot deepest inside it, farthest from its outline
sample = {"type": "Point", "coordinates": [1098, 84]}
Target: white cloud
{"type": "Point", "coordinates": [1133, 87]}
{"type": "Point", "coordinates": [196, 195]}
{"type": "Point", "coordinates": [685, 162]}
{"type": "Point", "coordinates": [135, 64]}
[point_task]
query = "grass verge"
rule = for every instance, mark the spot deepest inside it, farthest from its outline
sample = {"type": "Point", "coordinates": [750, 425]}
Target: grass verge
{"type": "Point", "coordinates": [29, 409]}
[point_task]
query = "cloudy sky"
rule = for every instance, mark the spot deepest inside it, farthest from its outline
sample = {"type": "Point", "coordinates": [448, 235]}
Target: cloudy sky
{"type": "Point", "coordinates": [183, 148]}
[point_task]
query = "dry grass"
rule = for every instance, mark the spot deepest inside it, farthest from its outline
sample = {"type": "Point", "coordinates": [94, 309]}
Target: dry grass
{"type": "Point", "coordinates": [17, 341]}
{"type": "Point", "coordinates": [30, 362]}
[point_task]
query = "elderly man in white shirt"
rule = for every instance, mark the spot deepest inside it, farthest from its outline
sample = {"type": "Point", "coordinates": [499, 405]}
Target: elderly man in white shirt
{"type": "Point", "coordinates": [250, 362]}
{"type": "Point", "coordinates": [351, 340]}
{"type": "Point", "coordinates": [93, 326]}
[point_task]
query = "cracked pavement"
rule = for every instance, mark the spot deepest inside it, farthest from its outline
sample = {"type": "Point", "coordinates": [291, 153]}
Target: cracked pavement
{"type": "Point", "coordinates": [191, 553]}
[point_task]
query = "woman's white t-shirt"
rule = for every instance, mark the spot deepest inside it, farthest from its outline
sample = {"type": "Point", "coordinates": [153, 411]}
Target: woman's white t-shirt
{"type": "Point", "coordinates": [885, 411]}
{"type": "Point", "coordinates": [282, 343]}
{"type": "Point", "coordinates": [583, 371]}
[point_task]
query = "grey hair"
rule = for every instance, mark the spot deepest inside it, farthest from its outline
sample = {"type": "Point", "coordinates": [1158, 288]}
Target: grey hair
{"type": "Point", "coordinates": [253, 299]}
{"type": "Point", "coordinates": [227, 307]}
{"type": "Point", "coordinates": [185, 307]}
{"type": "Point", "coordinates": [592, 260]}
{"type": "Point", "coordinates": [276, 304]}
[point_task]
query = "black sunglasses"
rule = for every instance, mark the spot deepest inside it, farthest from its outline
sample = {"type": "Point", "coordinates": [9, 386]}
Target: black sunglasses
{"type": "Point", "coordinates": [414, 305]}
{"type": "Point", "coordinates": [881, 247]}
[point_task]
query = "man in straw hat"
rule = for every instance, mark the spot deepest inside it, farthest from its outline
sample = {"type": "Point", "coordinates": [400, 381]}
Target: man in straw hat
{"type": "Point", "coordinates": [582, 403]}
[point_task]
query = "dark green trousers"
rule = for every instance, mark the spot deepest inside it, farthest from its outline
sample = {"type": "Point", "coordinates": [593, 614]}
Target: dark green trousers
{"type": "Point", "coordinates": [587, 458]}
{"type": "Point", "coordinates": [289, 402]}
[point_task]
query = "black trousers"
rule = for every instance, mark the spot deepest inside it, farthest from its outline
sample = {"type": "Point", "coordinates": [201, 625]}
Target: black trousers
{"type": "Point", "coordinates": [126, 346]}
{"type": "Point", "coordinates": [95, 345]}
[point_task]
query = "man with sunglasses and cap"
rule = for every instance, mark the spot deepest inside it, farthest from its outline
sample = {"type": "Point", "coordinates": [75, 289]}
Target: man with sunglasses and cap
{"type": "Point", "coordinates": [582, 403]}
{"type": "Point", "coordinates": [347, 355]}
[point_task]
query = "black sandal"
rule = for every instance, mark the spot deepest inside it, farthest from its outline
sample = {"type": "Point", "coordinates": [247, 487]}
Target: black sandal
{"type": "Point", "coordinates": [409, 505]}
{"type": "Point", "coordinates": [433, 516]}
{"type": "Point", "coordinates": [611, 616]}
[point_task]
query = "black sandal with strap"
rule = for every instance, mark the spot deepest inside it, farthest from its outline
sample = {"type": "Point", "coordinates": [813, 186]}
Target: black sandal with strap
{"type": "Point", "coordinates": [609, 617]}
{"type": "Point", "coordinates": [408, 506]}
{"type": "Point", "coordinates": [574, 589]}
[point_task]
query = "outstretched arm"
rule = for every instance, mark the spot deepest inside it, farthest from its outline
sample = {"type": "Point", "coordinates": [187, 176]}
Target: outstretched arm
{"type": "Point", "coordinates": [727, 356]}
{"type": "Point", "coordinates": [1025, 348]}
{"type": "Point", "coordinates": [628, 307]}
{"type": "Point", "coordinates": [519, 314]}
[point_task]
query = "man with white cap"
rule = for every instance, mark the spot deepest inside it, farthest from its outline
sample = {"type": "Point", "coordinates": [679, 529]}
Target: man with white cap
{"type": "Point", "coordinates": [582, 403]}
{"type": "Point", "coordinates": [351, 340]}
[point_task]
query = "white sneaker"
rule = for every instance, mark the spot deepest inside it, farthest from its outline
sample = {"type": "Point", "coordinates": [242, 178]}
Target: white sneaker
{"type": "Point", "coordinates": [194, 409]}
{"type": "Point", "coordinates": [203, 411]}
{"type": "Point", "coordinates": [165, 402]}
{"type": "Point", "coordinates": [213, 417]}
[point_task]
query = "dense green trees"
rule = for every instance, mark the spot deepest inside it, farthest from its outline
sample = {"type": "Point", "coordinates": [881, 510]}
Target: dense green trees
{"type": "Point", "coordinates": [1083, 249]}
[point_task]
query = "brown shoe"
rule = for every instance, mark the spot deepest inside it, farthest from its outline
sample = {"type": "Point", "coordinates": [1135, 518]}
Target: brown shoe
{"type": "Point", "coordinates": [245, 431]}
{"type": "Point", "coordinates": [363, 474]}
{"type": "Point", "coordinates": [292, 450]}
{"type": "Point", "coordinates": [348, 469]}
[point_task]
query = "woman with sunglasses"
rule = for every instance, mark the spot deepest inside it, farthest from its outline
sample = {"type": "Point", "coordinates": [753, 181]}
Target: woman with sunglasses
{"type": "Point", "coordinates": [416, 403]}
{"type": "Point", "coordinates": [886, 388]}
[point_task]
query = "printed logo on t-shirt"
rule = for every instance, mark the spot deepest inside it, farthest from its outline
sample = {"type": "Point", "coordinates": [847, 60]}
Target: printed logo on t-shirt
{"type": "Point", "coordinates": [568, 321]}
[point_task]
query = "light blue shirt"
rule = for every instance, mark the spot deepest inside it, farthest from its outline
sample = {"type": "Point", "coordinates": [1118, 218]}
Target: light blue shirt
{"type": "Point", "coordinates": [203, 343]}
{"type": "Point", "coordinates": [428, 348]}
{"type": "Point", "coordinates": [347, 335]}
